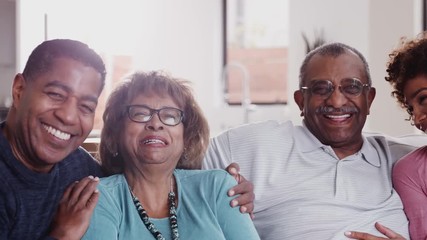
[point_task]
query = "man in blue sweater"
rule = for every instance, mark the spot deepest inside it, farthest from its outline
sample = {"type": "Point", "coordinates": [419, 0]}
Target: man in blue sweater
{"type": "Point", "coordinates": [54, 102]}
{"type": "Point", "coordinates": [48, 183]}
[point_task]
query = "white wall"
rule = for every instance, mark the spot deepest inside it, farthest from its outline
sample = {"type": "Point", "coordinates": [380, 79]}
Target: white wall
{"type": "Point", "coordinates": [184, 38]}
{"type": "Point", "coordinates": [7, 49]}
{"type": "Point", "coordinates": [186, 41]}
{"type": "Point", "coordinates": [403, 17]}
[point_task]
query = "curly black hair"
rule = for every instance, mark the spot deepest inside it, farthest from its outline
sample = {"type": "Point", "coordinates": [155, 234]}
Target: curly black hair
{"type": "Point", "coordinates": [406, 62]}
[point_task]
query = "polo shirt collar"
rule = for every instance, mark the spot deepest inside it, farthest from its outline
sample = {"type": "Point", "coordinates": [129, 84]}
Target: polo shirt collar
{"type": "Point", "coordinates": [369, 153]}
{"type": "Point", "coordinates": [307, 142]}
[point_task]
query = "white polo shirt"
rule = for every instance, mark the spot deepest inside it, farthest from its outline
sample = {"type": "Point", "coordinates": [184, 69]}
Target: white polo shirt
{"type": "Point", "coordinates": [303, 191]}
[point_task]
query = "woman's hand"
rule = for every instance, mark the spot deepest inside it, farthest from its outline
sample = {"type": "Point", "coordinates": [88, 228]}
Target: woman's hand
{"type": "Point", "coordinates": [75, 209]}
{"type": "Point", "coordinates": [244, 188]}
{"type": "Point", "coordinates": [366, 236]}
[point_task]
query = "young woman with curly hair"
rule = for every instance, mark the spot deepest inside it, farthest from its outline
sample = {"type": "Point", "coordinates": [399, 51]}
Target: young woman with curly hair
{"type": "Point", "coordinates": [407, 73]}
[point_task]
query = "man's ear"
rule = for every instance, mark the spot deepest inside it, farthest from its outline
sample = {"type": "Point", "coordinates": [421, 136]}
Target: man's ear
{"type": "Point", "coordinates": [371, 97]}
{"type": "Point", "coordinates": [18, 88]}
{"type": "Point", "coordinates": [299, 99]}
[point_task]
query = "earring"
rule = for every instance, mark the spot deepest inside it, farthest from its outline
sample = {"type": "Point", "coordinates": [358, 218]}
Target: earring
{"type": "Point", "coordinates": [412, 122]}
{"type": "Point", "coordinates": [184, 155]}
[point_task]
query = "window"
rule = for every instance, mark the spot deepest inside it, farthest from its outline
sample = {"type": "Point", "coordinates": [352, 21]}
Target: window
{"type": "Point", "coordinates": [255, 51]}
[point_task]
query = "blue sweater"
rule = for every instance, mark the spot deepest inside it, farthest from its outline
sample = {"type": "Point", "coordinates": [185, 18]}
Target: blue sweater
{"type": "Point", "coordinates": [28, 200]}
{"type": "Point", "coordinates": [203, 210]}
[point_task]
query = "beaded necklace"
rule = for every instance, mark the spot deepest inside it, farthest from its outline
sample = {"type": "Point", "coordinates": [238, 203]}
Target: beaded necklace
{"type": "Point", "coordinates": [146, 220]}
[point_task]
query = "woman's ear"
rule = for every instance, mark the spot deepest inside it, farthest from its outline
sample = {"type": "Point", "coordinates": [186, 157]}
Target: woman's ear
{"type": "Point", "coordinates": [112, 147]}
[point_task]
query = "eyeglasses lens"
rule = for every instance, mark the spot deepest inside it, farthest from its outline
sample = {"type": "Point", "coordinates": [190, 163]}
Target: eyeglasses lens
{"type": "Point", "coordinates": [168, 116]}
{"type": "Point", "coordinates": [349, 87]}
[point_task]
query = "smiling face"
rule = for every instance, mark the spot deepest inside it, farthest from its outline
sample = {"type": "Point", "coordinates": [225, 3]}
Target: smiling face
{"type": "Point", "coordinates": [415, 92]}
{"type": "Point", "coordinates": [53, 113]}
{"type": "Point", "coordinates": [336, 120]}
{"type": "Point", "coordinates": [152, 142]}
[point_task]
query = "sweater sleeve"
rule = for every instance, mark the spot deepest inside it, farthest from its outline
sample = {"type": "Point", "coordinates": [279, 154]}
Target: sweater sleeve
{"type": "Point", "coordinates": [7, 211]}
{"type": "Point", "coordinates": [48, 238]}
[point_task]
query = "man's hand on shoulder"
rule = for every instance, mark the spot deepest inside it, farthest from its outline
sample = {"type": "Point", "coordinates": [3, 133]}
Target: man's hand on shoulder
{"type": "Point", "coordinates": [245, 188]}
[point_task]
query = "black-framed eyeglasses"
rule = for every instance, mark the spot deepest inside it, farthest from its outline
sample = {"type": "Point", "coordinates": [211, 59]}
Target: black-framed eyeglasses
{"type": "Point", "coordinates": [350, 87]}
{"type": "Point", "coordinates": [168, 115]}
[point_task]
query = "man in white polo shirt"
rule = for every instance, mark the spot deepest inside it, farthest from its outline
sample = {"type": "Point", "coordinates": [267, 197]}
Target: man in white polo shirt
{"type": "Point", "coordinates": [324, 178]}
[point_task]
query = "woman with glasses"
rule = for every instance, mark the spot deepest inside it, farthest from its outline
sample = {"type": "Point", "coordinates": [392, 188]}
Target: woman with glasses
{"type": "Point", "coordinates": [153, 131]}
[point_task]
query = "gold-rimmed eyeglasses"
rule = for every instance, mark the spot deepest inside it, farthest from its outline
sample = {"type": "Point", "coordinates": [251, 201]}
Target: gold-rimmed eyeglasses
{"type": "Point", "coordinates": [350, 87]}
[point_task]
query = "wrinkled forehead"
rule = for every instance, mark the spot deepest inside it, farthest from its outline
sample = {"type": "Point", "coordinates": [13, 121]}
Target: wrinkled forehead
{"type": "Point", "coordinates": [336, 67]}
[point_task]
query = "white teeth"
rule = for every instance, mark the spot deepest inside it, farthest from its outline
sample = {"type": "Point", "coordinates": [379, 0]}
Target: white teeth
{"type": "Point", "coordinates": [338, 116]}
{"type": "Point", "coordinates": [153, 141]}
{"type": "Point", "coordinates": [57, 133]}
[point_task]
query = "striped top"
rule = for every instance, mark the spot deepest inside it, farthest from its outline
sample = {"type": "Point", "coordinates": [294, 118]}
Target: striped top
{"type": "Point", "coordinates": [303, 191]}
